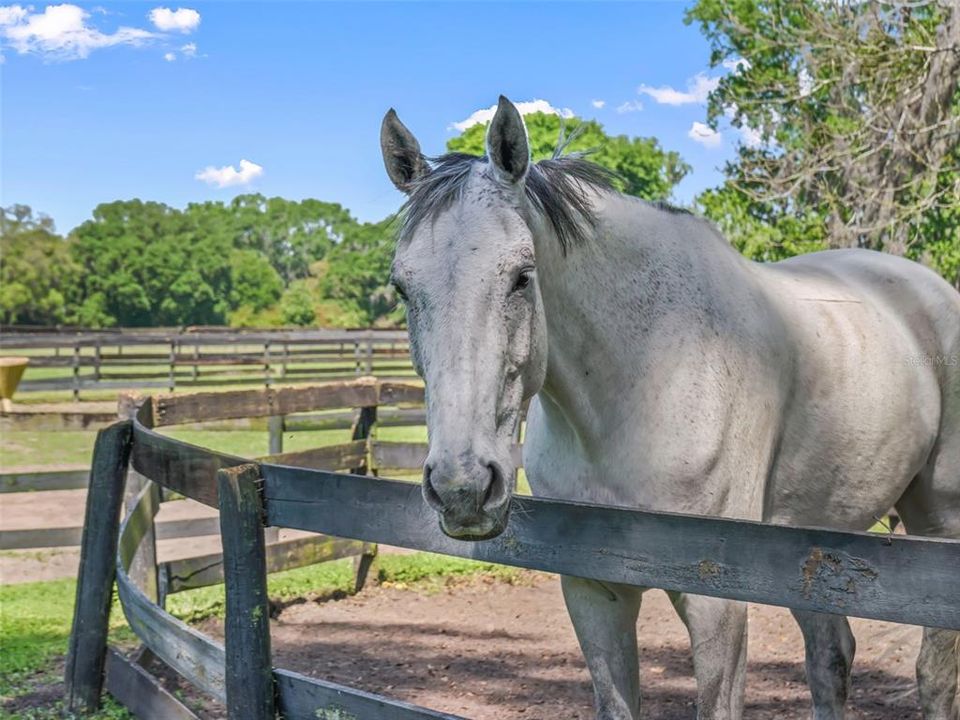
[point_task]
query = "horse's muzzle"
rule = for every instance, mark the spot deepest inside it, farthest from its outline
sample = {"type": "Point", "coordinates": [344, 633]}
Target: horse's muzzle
{"type": "Point", "coordinates": [470, 494]}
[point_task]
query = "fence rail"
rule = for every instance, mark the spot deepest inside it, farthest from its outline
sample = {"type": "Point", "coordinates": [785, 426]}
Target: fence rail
{"type": "Point", "coordinates": [895, 578]}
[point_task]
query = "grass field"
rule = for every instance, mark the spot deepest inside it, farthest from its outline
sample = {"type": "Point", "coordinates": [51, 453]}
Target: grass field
{"type": "Point", "coordinates": [21, 449]}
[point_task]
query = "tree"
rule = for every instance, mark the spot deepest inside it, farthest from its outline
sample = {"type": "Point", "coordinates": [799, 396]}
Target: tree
{"type": "Point", "coordinates": [358, 268]}
{"type": "Point", "coordinates": [254, 284]}
{"type": "Point", "coordinates": [854, 109]}
{"type": "Point", "coordinates": [296, 305]}
{"type": "Point", "coordinates": [642, 167]}
{"type": "Point", "coordinates": [144, 263]}
{"type": "Point", "coordinates": [37, 274]}
{"type": "Point", "coordinates": [291, 234]}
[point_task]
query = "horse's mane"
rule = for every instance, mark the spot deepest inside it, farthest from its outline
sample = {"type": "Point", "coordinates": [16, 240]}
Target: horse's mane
{"type": "Point", "coordinates": [557, 187]}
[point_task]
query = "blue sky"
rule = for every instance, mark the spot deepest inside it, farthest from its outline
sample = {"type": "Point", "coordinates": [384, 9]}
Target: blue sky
{"type": "Point", "coordinates": [119, 100]}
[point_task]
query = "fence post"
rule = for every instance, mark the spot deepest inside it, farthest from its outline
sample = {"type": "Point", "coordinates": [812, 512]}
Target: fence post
{"type": "Point", "coordinates": [96, 362]}
{"type": "Point", "coordinates": [196, 356]}
{"type": "Point", "coordinates": [83, 674]}
{"type": "Point", "coordinates": [364, 562]}
{"type": "Point", "coordinates": [369, 362]}
{"type": "Point", "coordinates": [275, 428]}
{"type": "Point", "coordinates": [266, 364]}
{"type": "Point", "coordinates": [249, 670]}
{"type": "Point", "coordinates": [144, 569]}
{"type": "Point", "coordinates": [172, 380]}
{"type": "Point", "coordinates": [76, 371]}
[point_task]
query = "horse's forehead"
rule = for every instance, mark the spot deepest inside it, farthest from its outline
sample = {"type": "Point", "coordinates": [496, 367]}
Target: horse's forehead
{"type": "Point", "coordinates": [478, 229]}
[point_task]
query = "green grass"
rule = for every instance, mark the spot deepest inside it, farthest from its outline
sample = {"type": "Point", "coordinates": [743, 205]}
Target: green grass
{"type": "Point", "coordinates": [35, 618]}
{"type": "Point", "coordinates": [71, 447]}
{"type": "Point", "coordinates": [76, 447]}
{"type": "Point", "coordinates": [35, 621]}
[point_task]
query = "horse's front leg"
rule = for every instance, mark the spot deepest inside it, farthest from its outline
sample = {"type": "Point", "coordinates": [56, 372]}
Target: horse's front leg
{"type": "Point", "coordinates": [604, 617]}
{"type": "Point", "coordinates": [718, 637]}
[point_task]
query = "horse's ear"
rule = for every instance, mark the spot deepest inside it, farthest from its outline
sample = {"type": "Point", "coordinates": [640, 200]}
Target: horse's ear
{"type": "Point", "coordinates": [401, 152]}
{"type": "Point", "coordinates": [507, 145]}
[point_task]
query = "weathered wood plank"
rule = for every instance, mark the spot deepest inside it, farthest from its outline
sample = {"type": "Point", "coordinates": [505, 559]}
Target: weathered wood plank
{"type": "Point", "coordinates": [304, 698]}
{"type": "Point", "coordinates": [386, 417]}
{"type": "Point", "coordinates": [196, 657]}
{"type": "Point", "coordinates": [392, 393]}
{"type": "Point", "coordinates": [896, 578]}
{"type": "Point", "coordinates": [179, 466]}
{"type": "Point", "coordinates": [73, 479]}
{"type": "Point", "coordinates": [88, 636]}
{"type": "Point", "coordinates": [208, 569]}
{"type": "Point", "coordinates": [329, 457]}
{"type": "Point", "coordinates": [275, 434]}
{"type": "Point", "coordinates": [398, 455]}
{"type": "Point", "coordinates": [72, 536]}
{"type": "Point", "coordinates": [411, 456]}
{"type": "Point", "coordinates": [139, 692]}
{"type": "Point", "coordinates": [247, 623]}
{"type": "Point", "coordinates": [197, 407]}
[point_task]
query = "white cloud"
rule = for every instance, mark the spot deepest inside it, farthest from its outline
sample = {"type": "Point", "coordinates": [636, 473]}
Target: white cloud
{"type": "Point", "coordinates": [698, 88]}
{"type": "Point", "coordinates": [598, 104]}
{"type": "Point", "coordinates": [804, 82]}
{"type": "Point", "coordinates": [485, 115]}
{"type": "Point", "coordinates": [750, 136]}
{"type": "Point", "coordinates": [12, 14]}
{"type": "Point", "coordinates": [630, 106]}
{"type": "Point", "coordinates": [189, 50]}
{"type": "Point", "coordinates": [735, 64]}
{"type": "Point", "coordinates": [61, 32]}
{"type": "Point", "coordinates": [182, 20]}
{"type": "Point", "coordinates": [705, 135]}
{"type": "Point", "coordinates": [169, 57]}
{"type": "Point", "coordinates": [228, 175]}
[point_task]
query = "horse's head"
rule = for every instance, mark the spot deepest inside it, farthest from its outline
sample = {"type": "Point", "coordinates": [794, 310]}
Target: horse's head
{"type": "Point", "coordinates": [465, 267]}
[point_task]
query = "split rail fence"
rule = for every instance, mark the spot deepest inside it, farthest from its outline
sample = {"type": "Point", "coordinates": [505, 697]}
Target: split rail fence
{"type": "Point", "coordinates": [170, 359]}
{"type": "Point", "coordinates": [896, 578]}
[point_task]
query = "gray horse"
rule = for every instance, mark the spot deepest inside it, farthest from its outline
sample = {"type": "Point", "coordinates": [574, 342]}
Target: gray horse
{"type": "Point", "coordinates": [667, 372]}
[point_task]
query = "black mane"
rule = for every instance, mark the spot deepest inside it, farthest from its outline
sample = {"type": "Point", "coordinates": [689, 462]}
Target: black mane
{"type": "Point", "coordinates": [557, 187]}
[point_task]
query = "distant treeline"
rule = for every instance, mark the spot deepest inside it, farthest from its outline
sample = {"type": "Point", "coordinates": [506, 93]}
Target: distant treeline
{"type": "Point", "coordinates": [254, 261]}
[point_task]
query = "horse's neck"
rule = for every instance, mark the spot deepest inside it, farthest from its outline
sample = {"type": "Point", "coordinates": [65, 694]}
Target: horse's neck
{"type": "Point", "coordinates": [613, 303]}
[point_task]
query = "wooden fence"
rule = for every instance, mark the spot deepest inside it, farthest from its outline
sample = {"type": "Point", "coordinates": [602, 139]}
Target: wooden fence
{"type": "Point", "coordinates": [896, 578]}
{"type": "Point", "coordinates": [172, 359]}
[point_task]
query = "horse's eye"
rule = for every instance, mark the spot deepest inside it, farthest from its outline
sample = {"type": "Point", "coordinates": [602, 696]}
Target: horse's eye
{"type": "Point", "coordinates": [523, 280]}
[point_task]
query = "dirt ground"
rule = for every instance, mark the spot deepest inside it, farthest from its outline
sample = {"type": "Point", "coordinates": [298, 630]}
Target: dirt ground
{"type": "Point", "coordinates": [491, 650]}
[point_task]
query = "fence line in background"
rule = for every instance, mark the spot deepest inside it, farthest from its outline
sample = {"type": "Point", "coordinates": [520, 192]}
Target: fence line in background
{"type": "Point", "coordinates": [172, 359]}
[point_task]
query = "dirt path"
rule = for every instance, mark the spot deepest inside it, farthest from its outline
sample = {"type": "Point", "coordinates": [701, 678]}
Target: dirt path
{"type": "Point", "coordinates": [508, 652]}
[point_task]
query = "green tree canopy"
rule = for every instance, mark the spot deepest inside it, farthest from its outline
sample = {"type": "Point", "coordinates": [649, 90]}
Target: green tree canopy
{"type": "Point", "coordinates": [37, 274]}
{"type": "Point", "coordinates": [144, 263]}
{"type": "Point", "coordinates": [642, 167]}
{"type": "Point", "coordinates": [358, 268]}
{"type": "Point", "coordinates": [855, 112]}
{"type": "Point", "coordinates": [291, 234]}
{"type": "Point", "coordinates": [253, 281]}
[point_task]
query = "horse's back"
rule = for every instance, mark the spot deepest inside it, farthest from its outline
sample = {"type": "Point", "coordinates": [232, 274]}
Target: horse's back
{"type": "Point", "coordinates": [873, 336]}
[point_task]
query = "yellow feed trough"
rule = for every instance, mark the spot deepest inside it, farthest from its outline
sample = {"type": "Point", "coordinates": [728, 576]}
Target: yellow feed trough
{"type": "Point", "coordinates": [11, 370]}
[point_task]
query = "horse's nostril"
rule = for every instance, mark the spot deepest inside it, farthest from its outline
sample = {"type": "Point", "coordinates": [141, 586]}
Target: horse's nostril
{"type": "Point", "coordinates": [433, 498]}
{"type": "Point", "coordinates": [496, 490]}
